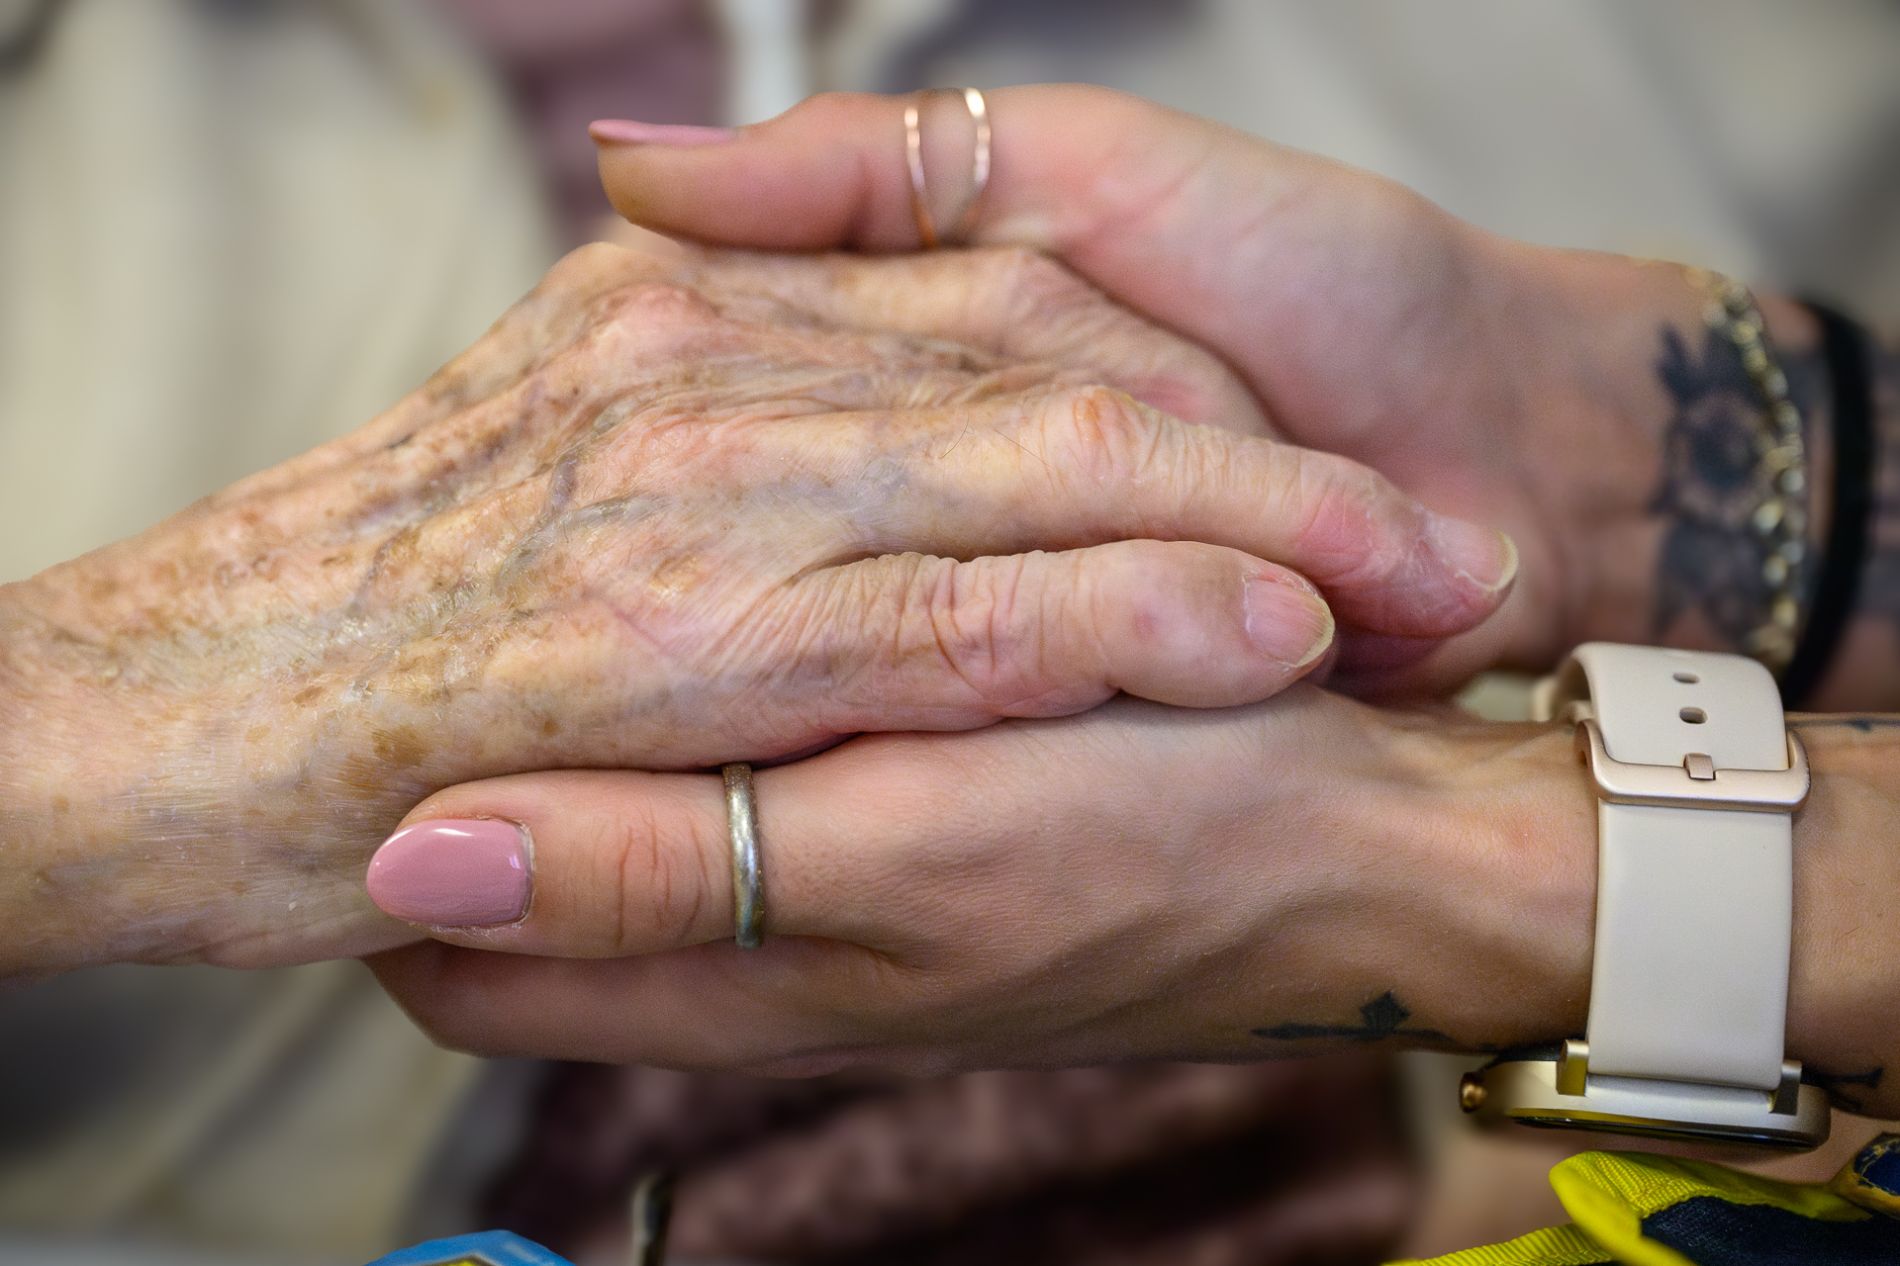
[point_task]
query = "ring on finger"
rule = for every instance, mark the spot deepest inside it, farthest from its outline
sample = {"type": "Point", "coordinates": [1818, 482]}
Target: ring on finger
{"type": "Point", "coordinates": [742, 823]}
{"type": "Point", "coordinates": [927, 234]}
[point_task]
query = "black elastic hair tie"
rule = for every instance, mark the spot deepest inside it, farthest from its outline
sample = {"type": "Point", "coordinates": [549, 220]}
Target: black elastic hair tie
{"type": "Point", "coordinates": [1844, 553]}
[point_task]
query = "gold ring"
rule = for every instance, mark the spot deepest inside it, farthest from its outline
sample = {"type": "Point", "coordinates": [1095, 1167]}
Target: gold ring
{"type": "Point", "coordinates": [927, 235]}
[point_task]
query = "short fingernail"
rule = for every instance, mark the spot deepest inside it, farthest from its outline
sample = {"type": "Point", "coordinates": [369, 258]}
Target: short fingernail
{"type": "Point", "coordinates": [1482, 555]}
{"type": "Point", "coordinates": [1288, 622]}
{"type": "Point", "coordinates": [679, 135]}
{"type": "Point", "coordinates": [453, 873]}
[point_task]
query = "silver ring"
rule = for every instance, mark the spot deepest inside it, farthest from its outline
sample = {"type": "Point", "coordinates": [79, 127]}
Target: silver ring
{"type": "Point", "coordinates": [742, 821]}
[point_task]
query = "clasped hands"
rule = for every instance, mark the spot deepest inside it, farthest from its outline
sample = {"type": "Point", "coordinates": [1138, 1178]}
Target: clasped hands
{"type": "Point", "coordinates": [1033, 575]}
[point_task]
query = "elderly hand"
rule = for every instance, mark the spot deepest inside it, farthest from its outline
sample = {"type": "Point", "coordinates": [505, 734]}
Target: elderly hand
{"type": "Point", "coordinates": [660, 518]}
{"type": "Point", "coordinates": [1521, 385]}
{"type": "Point", "coordinates": [1136, 882]}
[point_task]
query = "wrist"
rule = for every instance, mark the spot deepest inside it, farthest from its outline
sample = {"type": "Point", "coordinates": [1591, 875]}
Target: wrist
{"type": "Point", "coordinates": [104, 803]}
{"type": "Point", "coordinates": [1601, 324]}
{"type": "Point", "coordinates": [44, 823]}
{"type": "Point", "coordinates": [1642, 429]}
{"type": "Point", "coordinates": [1505, 870]}
{"type": "Point", "coordinates": [1505, 866]}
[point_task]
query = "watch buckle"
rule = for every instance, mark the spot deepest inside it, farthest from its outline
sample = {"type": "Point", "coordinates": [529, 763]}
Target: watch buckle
{"type": "Point", "coordinates": [1696, 783]}
{"type": "Point", "coordinates": [1573, 1067]}
{"type": "Point", "coordinates": [1573, 1076]}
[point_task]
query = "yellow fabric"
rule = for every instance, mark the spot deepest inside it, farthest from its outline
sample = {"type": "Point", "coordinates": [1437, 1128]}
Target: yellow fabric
{"type": "Point", "coordinates": [1610, 1193]}
{"type": "Point", "coordinates": [1604, 1189]}
{"type": "Point", "coordinates": [1556, 1246]}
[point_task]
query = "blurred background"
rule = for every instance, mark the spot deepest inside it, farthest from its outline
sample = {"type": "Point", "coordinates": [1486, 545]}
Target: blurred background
{"type": "Point", "coordinates": [231, 229]}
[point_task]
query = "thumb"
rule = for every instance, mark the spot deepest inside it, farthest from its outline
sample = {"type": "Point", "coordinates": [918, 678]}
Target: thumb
{"type": "Point", "coordinates": [577, 863]}
{"type": "Point", "coordinates": [610, 863]}
{"type": "Point", "coordinates": [1148, 203]}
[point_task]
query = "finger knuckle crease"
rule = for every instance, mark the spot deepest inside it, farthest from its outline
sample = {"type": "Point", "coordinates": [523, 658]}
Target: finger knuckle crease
{"type": "Point", "coordinates": [1103, 435]}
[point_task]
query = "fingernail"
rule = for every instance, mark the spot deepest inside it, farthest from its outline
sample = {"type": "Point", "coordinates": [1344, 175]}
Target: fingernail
{"type": "Point", "coordinates": [453, 873]}
{"type": "Point", "coordinates": [1484, 556]}
{"type": "Point", "coordinates": [629, 132]}
{"type": "Point", "coordinates": [1287, 621]}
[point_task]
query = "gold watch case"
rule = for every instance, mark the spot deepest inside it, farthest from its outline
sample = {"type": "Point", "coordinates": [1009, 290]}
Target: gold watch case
{"type": "Point", "coordinates": [1559, 1092]}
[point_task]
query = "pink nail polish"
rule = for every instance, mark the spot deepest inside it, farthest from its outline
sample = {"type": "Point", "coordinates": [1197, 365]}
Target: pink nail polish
{"type": "Point", "coordinates": [453, 873]}
{"type": "Point", "coordinates": [680, 135]}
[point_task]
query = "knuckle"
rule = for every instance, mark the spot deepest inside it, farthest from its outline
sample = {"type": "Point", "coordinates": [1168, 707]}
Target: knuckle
{"type": "Point", "coordinates": [586, 266]}
{"type": "Point", "coordinates": [1101, 435]}
{"type": "Point", "coordinates": [950, 613]}
{"type": "Point", "coordinates": [657, 306]}
{"type": "Point", "coordinates": [1037, 281]}
{"type": "Point", "coordinates": [961, 620]}
{"type": "Point", "coordinates": [661, 871]}
{"type": "Point", "coordinates": [1347, 520]}
{"type": "Point", "coordinates": [634, 326]}
{"type": "Point", "coordinates": [1198, 388]}
{"type": "Point", "coordinates": [827, 112]}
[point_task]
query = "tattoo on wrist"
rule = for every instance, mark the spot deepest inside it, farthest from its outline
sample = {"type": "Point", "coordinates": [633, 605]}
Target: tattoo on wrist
{"type": "Point", "coordinates": [1713, 562]}
{"type": "Point", "coordinates": [1384, 1017]}
{"type": "Point", "coordinates": [1836, 1085]}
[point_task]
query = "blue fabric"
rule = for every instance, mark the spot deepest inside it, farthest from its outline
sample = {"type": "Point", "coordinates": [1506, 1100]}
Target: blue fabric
{"type": "Point", "coordinates": [1713, 1232]}
{"type": "Point", "coordinates": [1880, 1167]}
{"type": "Point", "coordinates": [484, 1248]}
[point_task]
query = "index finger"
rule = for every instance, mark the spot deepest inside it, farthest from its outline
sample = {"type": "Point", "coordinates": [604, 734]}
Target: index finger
{"type": "Point", "coordinates": [831, 172]}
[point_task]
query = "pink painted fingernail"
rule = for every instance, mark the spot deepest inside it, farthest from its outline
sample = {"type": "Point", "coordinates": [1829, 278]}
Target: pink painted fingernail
{"type": "Point", "coordinates": [680, 135]}
{"type": "Point", "coordinates": [453, 873]}
{"type": "Point", "coordinates": [1288, 621]}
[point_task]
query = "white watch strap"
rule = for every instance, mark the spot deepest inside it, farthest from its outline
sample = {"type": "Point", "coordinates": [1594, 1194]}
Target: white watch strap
{"type": "Point", "coordinates": [1690, 974]}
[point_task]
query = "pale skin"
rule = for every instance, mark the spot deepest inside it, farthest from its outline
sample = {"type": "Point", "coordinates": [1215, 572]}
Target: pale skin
{"type": "Point", "coordinates": [665, 514]}
{"type": "Point", "coordinates": [1264, 881]}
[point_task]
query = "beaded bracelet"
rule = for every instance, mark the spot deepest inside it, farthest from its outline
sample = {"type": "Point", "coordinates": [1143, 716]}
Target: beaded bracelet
{"type": "Point", "coordinates": [1781, 520]}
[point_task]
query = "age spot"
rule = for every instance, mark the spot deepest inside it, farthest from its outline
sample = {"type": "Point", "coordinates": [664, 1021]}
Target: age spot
{"type": "Point", "coordinates": [401, 746]}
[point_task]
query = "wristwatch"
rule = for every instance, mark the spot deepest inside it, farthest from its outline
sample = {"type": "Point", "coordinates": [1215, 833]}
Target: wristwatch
{"type": "Point", "coordinates": [1697, 780]}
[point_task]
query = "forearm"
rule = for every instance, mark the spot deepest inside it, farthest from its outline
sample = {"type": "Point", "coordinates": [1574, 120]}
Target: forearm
{"type": "Point", "coordinates": [1664, 505]}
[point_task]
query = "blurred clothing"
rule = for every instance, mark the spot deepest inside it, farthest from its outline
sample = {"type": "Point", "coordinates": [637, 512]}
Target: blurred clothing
{"type": "Point", "coordinates": [566, 64]}
{"type": "Point", "coordinates": [1252, 1165]}
{"type": "Point", "coordinates": [230, 229]}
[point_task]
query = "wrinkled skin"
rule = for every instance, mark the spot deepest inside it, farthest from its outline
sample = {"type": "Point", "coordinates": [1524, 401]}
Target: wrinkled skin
{"type": "Point", "coordinates": [665, 514]}
{"type": "Point", "coordinates": [1491, 378]}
